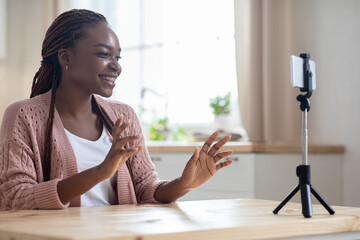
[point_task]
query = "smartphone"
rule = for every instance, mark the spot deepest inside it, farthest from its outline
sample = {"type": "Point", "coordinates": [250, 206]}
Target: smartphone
{"type": "Point", "coordinates": [297, 72]}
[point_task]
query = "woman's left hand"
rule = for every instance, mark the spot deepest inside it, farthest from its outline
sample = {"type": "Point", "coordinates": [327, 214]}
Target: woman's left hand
{"type": "Point", "coordinates": [204, 163]}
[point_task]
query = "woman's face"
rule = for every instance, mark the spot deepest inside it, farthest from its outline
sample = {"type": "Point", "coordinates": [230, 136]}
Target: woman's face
{"type": "Point", "coordinates": [94, 63]}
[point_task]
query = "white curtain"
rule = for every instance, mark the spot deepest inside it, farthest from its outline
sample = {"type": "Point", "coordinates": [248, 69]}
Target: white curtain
{"type": "Point", "coordinates": [267, 33]}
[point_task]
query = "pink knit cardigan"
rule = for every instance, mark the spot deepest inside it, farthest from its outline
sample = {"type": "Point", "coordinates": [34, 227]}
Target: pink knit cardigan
{"type": "Point", "coordinates": [22, 144]}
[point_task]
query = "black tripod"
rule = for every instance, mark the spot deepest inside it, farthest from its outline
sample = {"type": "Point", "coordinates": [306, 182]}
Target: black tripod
{"type": "Point", "coordinates": [303, 171]}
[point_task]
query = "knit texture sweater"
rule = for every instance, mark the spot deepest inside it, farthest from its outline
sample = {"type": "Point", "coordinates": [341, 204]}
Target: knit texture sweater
{"type": "Point", "coordinates": [22, 148]}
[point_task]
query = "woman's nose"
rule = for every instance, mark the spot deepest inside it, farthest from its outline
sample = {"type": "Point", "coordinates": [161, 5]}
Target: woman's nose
{"type": "Point", "coordinates": [115, 66]}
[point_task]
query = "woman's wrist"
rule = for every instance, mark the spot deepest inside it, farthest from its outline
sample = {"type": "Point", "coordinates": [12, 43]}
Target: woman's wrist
{"type": "Point", "coordinates": [183, 184]}
{"type": "Point", "coordinates": [78, 184]}
{"type": "Point", "coordinates": [98, 172]}
{"type": "Point", "coordinates": [171, 191]}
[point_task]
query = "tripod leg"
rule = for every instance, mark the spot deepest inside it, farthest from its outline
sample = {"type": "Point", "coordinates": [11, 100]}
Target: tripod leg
{"type": "Point", "coordinates": [322, 201]}
{"type": "Point", "coordinates": [306, 200]}
{"type": "Point", "coordinates": [291, 194]}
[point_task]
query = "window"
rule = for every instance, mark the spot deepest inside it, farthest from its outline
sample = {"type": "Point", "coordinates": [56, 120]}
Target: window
{"type": "Point", "coordinates": [176, 55]}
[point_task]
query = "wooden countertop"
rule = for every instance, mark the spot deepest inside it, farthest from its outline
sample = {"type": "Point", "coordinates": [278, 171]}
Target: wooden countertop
{"type": "Point", "coordinates": [244, 147]}
{"type": "Point", "coordinates": [200, 220]}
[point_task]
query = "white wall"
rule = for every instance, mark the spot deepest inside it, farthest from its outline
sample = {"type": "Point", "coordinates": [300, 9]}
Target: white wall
{"type": "Point", "coordinates": [335, 112]}
{"type": "Point", "coordinates": [24, 35]}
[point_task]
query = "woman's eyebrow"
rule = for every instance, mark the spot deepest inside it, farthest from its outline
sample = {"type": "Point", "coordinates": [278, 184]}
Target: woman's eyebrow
{"type": "Point", "coordinates": [105, 46]}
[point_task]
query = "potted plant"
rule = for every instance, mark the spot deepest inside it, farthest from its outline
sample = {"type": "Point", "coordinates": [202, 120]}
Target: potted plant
{"type": "Point", "coordinates": [221, 109]}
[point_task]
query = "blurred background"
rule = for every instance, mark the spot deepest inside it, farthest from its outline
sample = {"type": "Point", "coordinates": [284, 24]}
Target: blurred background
{"type": "Point", "coordinates": [179, 56]}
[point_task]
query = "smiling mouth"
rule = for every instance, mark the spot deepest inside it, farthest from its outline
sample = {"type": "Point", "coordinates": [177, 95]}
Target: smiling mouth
{"type": "Point", "coordinates": [107, 78]}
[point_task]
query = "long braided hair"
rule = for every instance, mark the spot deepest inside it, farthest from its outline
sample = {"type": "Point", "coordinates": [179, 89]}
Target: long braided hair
{"type": "Point", "coordinates": [63, 33]}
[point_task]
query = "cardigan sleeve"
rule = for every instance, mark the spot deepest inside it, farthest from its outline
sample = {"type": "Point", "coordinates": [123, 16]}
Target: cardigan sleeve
{"type": "Point", "coordinates": [21, 184]}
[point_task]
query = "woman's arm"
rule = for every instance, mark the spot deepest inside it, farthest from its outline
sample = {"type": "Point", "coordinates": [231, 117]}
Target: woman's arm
{"type": "Point", "coordinates": [78, 184]}
{"type": "Point", "coordinates": [200, 168]}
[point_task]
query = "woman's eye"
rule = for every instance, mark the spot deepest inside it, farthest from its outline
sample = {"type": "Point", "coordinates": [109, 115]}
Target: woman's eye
{"type": "Point", "coordinates": [103, 54]}
{"type": "Point", "coordinates": [118, 58]}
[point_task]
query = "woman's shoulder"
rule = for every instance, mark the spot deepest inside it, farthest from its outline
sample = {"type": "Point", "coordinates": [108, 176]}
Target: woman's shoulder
{"type": "Point", "coordinates": [26, 106]}
{"type": "Point", "coordinates": [22, 112]}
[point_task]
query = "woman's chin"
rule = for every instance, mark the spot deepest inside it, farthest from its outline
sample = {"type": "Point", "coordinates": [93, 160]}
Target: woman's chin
{"type": "Point", "coordinates": [105, 94]}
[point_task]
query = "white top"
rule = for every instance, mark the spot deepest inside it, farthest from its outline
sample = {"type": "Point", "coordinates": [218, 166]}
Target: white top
{"type": "Point", "coordinates": [90, 154]}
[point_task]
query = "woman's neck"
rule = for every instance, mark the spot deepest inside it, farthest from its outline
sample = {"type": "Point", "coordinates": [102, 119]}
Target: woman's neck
{"type": "Point", "coordinates": [77, 114]}
{"type": "Point", "coordinates": [70, 102]}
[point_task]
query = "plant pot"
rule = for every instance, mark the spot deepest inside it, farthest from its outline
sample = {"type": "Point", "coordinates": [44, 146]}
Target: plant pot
{"type": "Point", "coordinates": [222, 122]}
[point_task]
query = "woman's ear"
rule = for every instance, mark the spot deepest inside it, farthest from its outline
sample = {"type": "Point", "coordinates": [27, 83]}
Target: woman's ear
{"type": "Point", "coordinates": [64, 58]}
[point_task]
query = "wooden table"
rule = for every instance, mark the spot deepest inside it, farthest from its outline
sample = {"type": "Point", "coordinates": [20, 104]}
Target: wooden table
{"type": "Point", "coordinates": [210, 219]}
{"type": "Point", "coordinates": [242, 147]}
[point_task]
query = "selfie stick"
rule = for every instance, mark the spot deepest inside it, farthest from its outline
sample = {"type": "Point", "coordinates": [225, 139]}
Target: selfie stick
{"type": "Point", "coordinates": [303, 171]}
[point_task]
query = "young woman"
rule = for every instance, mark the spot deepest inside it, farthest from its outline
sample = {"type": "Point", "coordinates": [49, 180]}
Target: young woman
{"type": "Point", "coordinates": [69, 146]}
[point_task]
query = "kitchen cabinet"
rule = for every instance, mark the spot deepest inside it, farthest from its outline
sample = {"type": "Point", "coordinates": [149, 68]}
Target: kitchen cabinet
{"type": "Point", "coordinates": [259, 175]}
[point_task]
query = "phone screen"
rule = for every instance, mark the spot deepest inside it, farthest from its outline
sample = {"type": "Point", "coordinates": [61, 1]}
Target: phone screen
{"type": "Point", "coordinates": [297, 73]}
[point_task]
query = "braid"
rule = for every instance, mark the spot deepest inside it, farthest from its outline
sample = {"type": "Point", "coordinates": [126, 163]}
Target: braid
{"type": "Point", "coordinates": [63, 33]}
{"type": "Point", "coordinates": [48, 144]}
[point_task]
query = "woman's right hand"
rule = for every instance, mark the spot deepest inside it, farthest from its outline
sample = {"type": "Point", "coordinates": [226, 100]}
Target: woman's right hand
{"type": "Point", "coordinates": [118, 154]}
{"type": "Point", "coordinates": [82, 182]}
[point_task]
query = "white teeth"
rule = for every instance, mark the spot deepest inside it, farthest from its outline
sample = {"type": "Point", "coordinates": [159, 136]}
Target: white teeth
{"type": "Point", "coordinates": [111, 79]}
